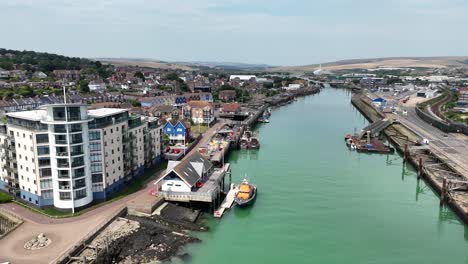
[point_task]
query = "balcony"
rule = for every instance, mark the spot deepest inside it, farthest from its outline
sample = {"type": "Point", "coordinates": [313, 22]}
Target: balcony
{"type": "Point", "coordinates": [76, 128]}
{"type": "Point", "coordinates": [62, 154]}
{"type": "Point", "coordinates": [60, 129]}
{"type": "Point", "coordinates": [64, 187]}
{"type": "Point", "coordinates": [76, 140]}
{"type": "Point", "coordinates": [45, 174]}
{"type": "Point", "coordinates": [61, 142]}
{"type": "Point", "coordinates": [63, 175]}
{"type": "Point", "coordinates": [63, 165]}
{"type": "Point", "coordinates": [77, 153]}
{"type": "Point", "coordinates": [78, 175]}
{"type": "Point", "coordinates": [77, 164]}
{"type": "Point", "coordinates": [44, 164]}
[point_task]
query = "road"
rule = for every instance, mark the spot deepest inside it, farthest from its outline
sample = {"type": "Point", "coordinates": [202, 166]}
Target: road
{"type": "Point", "coordinates": [66, 232]}
{"type": "Point", "coordinates": [452, 145]}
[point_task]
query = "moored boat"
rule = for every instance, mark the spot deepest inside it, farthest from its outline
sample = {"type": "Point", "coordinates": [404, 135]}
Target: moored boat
{"type": "Point", "coordinates": [244, 143]}
{"type": "Point", "coordinates": [246, 194]}
{"type": "Point", "coordinates": [254, 143]}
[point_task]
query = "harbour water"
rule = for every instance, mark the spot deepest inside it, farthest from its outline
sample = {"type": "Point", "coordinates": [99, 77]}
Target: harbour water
{"type": "Point", "coordinates": [318, 202]}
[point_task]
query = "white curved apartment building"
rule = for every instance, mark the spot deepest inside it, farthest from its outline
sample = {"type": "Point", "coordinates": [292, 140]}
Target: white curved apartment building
{"type": "Point", "coordinates": [67, 156]}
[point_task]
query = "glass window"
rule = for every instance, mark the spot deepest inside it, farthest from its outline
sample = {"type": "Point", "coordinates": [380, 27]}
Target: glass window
{"type": "Point", "coordinates": [75, 128]}
{"type": "Point", "coordinates": [59, 113]}
{"type": "Point", "coordinates": [80, 194]}
{"type": "Point", "coordinates": [76, 150]}
{"type": "Point", "coordinates": [96, 157]}
{"type": "Point", "coordinates": [76, 138]}
{"type": "Point", "coordinates": [43, 150]}
{"type": "Point", "coordinates": [96, 167]}
{"type": "Point", "coordinates": [97, 178]}
{"type": "Point", "coordinates": [95, 146]}
{"type": "Point", "coordinates": [79, 183]}
{"type": "Point", "coordinates": [60, 129]}
{"type": "Point", "coordinates": [42, 138]}
{"type": "Point", "coordinates": [47, 194]}
{"type": "Point", "coordinates": [64, 195]}
{"type": "Point", "coordinates": [74, 113]}
{"type": "Point", "coordinates": [46, 184]}
{"type": "Point", "coordinates": [47, 172]}
{"type": "Point", "coordinates": [94, 135]}
{"type": "Point", "coordinates": [79, 173]}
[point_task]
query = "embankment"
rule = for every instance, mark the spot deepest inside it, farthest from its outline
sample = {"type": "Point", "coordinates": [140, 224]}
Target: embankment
{"type": "Point", "coordinates": [403, 138]}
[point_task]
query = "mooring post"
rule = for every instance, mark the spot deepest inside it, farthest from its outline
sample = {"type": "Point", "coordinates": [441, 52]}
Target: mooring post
{"type": "Point", "coordinates": [420, 172]}
{"type": "Point", "coordinates": [405, 153]}
{"type": "Point", "coordinates": [443, 194]}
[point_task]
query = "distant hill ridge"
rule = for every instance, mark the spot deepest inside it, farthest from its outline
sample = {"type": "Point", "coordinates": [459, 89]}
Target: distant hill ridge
{"type": "Point", "coordinates": [389, 62]}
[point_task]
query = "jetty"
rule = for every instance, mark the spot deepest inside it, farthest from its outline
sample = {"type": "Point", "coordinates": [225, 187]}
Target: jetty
{"type": "Point", "coordinates": [369, 139]}
{"type": "Point", "coordinates": [228, 201]}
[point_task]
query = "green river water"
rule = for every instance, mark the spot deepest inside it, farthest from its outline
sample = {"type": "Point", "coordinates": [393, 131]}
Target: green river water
{"type": "Point", "coordinates": [318, 202]}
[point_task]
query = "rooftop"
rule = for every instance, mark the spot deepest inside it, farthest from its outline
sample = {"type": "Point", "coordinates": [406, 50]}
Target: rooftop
{"type": "Point", "coordinates": [103, 112]}
{"type": "Point", "coordinates": [34, 115]}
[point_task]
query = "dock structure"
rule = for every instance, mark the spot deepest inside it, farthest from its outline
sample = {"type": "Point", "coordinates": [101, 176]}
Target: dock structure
{"type": "Point", "coordinates": [209, 193]}
{"type": "Point", "coordinates": [228, 201]}
{"type": "Point", "coordinates": [252, 120]}
{"type": "Point", "coordinates": [368, 140]}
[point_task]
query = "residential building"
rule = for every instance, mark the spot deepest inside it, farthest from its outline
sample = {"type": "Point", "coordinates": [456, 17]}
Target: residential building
{"type": "Point", "coordinates": [178, 131]}
{"type": "Point", "coordinates": [227, 95]}
{"type": "Point", "coordinates": [67, 74]}
{"type": "Point", "coordinates": [463, 97]}
{"type": "Point", "coordinates": [67, 156]}
{"type": "Point", "coordinates": [175, 100]}
{"type": "Point", "coordinates": [39, 75]}
{"type": "Point", "coordinates": [231, 108]}
{"type": "Point", "coordinates": [97, 86]}
{"type": "Point", "coordinates": [200, 112]}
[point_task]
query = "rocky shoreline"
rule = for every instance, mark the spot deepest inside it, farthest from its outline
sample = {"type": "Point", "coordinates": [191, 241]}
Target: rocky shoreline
{"type": "Point", "coordinates": [145, 239]}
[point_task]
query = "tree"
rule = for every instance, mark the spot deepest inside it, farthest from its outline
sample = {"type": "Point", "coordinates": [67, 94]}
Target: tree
{"type": "Point", "coordinates": [134, 102]}
{"type": "Point", "coordinates": [183, 86]}
{"type": "Point", "coordinates": [268, 85]}
{"type": "Point", "coordinates": [26, 92]}
{"type": "Point", "coordinates": [83, 86]}
{"type": "Point", "coordinates": [226, 87]}
{"type": "Point", "coordinates": [140, 75]}
{"type": "Point", "coordinates": [172, 76]}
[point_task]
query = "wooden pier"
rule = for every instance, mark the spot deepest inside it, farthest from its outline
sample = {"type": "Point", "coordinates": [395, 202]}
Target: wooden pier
{"type": "Point", "coordinates": [228, 201]}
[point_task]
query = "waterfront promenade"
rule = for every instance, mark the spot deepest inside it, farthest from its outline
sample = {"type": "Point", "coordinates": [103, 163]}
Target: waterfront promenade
{"type": "Point", "coordinates": [65, 233]}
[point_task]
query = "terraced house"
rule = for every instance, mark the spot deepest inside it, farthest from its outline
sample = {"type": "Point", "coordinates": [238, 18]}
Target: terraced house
{"type": "Point", "coordinates": [67, 156]}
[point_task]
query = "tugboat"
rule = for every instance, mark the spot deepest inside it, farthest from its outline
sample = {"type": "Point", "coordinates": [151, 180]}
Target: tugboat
{"type": "Point", "coordinates": [246, 194]}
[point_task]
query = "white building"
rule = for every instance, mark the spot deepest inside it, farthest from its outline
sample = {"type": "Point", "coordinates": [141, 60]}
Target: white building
{"type": "Point", "coordinates": [96, 86]}
{"type": "Point", "coordinates": [67, 156]}
{"type": "Point", "coordinates": [183, 176]}
{"type": "Point", "coordinates": [293, 86]}
{"type": "Point", "coordinates": [242, 77]}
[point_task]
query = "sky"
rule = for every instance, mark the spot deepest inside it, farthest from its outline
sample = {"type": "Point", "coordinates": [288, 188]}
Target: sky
{"type": "Point", "coordinates": [274, 32]}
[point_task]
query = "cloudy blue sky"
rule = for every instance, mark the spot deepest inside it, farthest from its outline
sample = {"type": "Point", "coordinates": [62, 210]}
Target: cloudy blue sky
{"type": "Point", "coordinates": [276, 32]}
